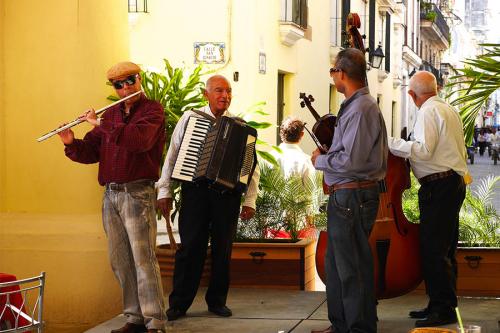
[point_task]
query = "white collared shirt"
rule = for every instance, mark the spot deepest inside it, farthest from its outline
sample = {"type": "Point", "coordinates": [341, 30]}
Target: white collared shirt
{"type": "Point", "coordinates": [294, 161]}
{"type": "Point", "coordinates": [166, 185]}
{"type": "Point", "coordinates": [439, 140]}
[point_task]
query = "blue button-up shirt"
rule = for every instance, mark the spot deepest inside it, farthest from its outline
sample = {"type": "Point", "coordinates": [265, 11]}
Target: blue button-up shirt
{"type": "Point", "coordinates": [359, 146]}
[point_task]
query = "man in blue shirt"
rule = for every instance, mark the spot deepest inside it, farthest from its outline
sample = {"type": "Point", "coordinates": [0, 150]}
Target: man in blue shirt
{"type": "Point", "coordinates": [355, 162]}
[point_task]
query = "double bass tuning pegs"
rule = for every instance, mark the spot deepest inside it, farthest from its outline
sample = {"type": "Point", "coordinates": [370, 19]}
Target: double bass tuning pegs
{"type": "Point", "coordinates": [302, 104]}
{"type": "Point", "coordinates": [311, 98]}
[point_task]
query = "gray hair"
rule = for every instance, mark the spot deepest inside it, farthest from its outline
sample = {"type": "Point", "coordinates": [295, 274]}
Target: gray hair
{"type": "Point", "coordinates": [213, 78]}
{"type": "Point", "coordinates": [423, 82]}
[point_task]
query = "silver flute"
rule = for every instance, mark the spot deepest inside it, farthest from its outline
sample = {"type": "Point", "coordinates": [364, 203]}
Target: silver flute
{"type": "Point", "coordinates": [78, 120]}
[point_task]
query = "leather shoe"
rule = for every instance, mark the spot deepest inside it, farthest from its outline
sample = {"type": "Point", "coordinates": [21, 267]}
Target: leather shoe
{"type": "Point", "coordinates": [131, 328]}
{"type": "Point", "coordinates": [155, 330]}
{"type": "Point", "coordinates": [437, 319]}
{"type": "Point", "coordinates": [326, 330]}
{"type": "Point", "coordinates": [222, 311]}
{"type": "Point", "coordinates": [174, 314]}
{"type": "Point", "coordinates": [419, 314]}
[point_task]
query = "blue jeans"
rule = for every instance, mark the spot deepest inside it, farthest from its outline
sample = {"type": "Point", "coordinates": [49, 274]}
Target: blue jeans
{"type": "Point", "coordinates": [130, 223]}
{"type": "Point", "coordinates": [350, 286]}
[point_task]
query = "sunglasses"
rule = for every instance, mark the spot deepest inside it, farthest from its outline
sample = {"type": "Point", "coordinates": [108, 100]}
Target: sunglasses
{"type": "Point", "coordinates": [334, 70]}
{"type": "Point", "coordinates": [130, 80]}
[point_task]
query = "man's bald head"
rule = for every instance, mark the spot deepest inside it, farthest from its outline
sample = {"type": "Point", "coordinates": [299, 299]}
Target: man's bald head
{"type": "Point", "coordinates": [422, 87]}
{"type": "Point", "coordinates": [218, 93]}
{"type": "Point", "coordinates": [211, 82]}
{"type": "Point", "coordinates": [423, 82]}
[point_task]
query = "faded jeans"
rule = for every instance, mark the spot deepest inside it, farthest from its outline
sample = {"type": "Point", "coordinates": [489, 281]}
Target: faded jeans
{"type": "Point", "coordinates": [350, 286]}
{"type": "Point", "coordinates": [130, 223]}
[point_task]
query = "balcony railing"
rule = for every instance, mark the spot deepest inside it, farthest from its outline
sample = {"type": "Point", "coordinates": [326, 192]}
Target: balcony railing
{"type": "Point", "coordinates": [430, 12]}
{"type": "Point", "coordinates": [437, 73]}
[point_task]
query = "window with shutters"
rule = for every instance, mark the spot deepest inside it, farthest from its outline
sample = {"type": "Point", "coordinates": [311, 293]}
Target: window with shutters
{"type": "Point", "coordinates": [294, 11]}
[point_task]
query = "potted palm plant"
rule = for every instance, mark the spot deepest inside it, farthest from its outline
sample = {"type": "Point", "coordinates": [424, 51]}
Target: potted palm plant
{"type": "Point", "coordinates": [287, 207]}
{"type": "Point", "coordinates": [478, 254]}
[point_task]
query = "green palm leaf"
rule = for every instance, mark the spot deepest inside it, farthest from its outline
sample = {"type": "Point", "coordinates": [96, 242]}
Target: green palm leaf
{"type": "Point", "coordinates": [473, 86]}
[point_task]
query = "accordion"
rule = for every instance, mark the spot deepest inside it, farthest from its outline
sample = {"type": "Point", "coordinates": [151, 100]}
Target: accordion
{"type": "Point", "coordinates": [220, 153]}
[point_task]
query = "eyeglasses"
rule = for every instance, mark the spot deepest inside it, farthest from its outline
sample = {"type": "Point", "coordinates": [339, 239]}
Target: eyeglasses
{"type": "Point", "coordinates": [334, 70]}
{"type": "Point", "coordinates": [130, 80]}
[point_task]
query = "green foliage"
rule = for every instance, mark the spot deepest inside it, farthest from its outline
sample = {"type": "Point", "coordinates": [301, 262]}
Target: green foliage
{"type": "Point", "coordinates": [479, 220]}
{"type": "Point", "coordinates": [249, 116]}
{"type": "Point", "coordinates": [282, 204]}
{"type": "Point", "coordinates": [431, 16]}
{"type": "Point", "coordinates": [176, 90]}
{"type": "Point", "coordinates": [474, 85]}
{"type": "Point", "coordinates": [410, 201]}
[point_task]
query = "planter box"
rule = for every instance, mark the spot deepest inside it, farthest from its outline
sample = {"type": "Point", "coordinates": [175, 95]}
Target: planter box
{"type": "Point", "coordinates": [478, 271]}
{"type": "Point", "coordinates": [281, 265]}
{"type": "Point", "coordinates": [166, 260]}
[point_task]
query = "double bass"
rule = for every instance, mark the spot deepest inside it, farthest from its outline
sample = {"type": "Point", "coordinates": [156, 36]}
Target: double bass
{"type": "Point", "coordinates": [394, 240]}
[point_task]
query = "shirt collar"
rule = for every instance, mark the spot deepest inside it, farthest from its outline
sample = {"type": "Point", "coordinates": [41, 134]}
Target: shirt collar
{"type": "Point", "coordinates": [435, 98]}
{"type": "Point", "coordinates": [357, 93]}
{"type": "Point", "coordinates": [290, 145]}
{"type": "Point", "coordinates": [207, 109]}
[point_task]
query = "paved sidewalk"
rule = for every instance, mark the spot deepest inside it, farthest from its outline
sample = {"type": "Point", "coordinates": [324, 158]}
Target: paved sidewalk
{"type": "Point", "coordinates": [287, 311]}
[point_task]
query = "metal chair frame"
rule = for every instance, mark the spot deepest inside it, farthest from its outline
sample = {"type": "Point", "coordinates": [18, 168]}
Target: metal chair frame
{"type": "Point", "coordinates": [34, 317]}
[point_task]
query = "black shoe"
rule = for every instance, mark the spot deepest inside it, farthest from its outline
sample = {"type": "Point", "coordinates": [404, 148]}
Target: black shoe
{"type": "Point", "coordinates": [419, 314]}
{"type": "Point", "coordinates": [437, 319]}
{"type": "Point", "coordinates": [222, 311]}
{"type": "Point", "coordinates": [131, 328]}
{"type": "Point", "coordinates": [174, 314]}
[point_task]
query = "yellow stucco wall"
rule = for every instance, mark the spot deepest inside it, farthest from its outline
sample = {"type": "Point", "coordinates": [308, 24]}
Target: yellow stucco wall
{"type": "Point", "coordinates": [53, 58]}
{"type": "Point", "coordinates": [2, 106]}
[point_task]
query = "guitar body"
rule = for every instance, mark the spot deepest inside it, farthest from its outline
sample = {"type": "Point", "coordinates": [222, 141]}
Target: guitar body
{"type": "Point", "coordinates": [324, 128]}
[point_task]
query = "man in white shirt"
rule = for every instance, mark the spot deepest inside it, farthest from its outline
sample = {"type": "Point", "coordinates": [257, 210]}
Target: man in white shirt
{"type": "Point", "coordinates": [437, 158]}
{"type": "Point", "coordinates": [204, 213]}
{"type": "Point", "coordinates": [293, 160]}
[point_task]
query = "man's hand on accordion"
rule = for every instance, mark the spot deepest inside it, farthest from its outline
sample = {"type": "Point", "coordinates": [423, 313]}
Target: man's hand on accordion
{"type": "Point", "coordinates": [165, 206]}
{"type": "Point", "coordinates": [247, 213]}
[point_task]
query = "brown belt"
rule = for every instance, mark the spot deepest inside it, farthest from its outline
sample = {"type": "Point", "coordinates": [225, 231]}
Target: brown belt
{"type": "Point", "coordinates": [352, 185]}
{"type": "Point", "coordinates": [132, 186]}
{"type": "Point", "coordinates": [435, 176]}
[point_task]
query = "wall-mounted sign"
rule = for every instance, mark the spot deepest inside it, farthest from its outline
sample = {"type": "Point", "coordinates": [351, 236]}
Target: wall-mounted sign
{"type": "Point", "coordinates": [262, 63]}
{"type": "Point", "coordinates": [209, 53]}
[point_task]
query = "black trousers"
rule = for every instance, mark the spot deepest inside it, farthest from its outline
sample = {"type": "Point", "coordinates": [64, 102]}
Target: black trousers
{"type": "Point", "coordinates": [439, 203]}
{"type": "Point", "coordinates": [204, 214]}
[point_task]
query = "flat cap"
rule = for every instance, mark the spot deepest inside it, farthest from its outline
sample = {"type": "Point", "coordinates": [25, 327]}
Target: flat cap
{"type": "Point", "coordinates": [122, 69]}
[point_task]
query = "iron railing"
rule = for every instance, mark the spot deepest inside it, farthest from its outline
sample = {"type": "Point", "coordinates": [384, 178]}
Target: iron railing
{"type": "Point", "coordinates": [429, 11]}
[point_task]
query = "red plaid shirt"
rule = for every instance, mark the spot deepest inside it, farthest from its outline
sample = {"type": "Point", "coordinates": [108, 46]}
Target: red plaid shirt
{"type": "Point", "coordinates": [127, 148]}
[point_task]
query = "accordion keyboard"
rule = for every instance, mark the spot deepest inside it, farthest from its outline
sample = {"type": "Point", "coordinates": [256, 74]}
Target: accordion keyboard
{"type": "Point", "coordinates": [190, 148]}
